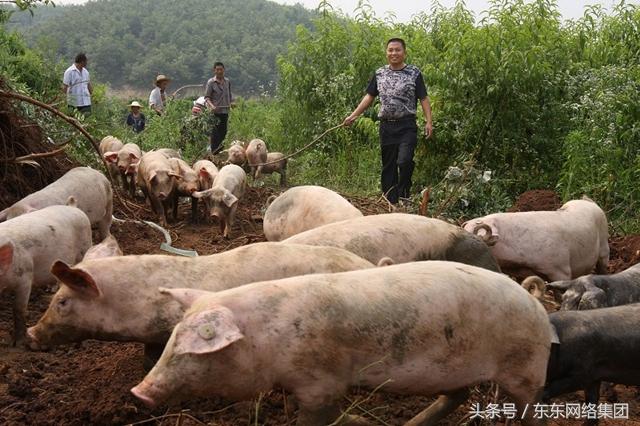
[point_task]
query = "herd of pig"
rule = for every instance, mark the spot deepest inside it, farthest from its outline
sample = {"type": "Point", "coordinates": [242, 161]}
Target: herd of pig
{"type": "Point", "coordinates": [334, 299]}
{"type": "Point", "coordinates": [163, 177]}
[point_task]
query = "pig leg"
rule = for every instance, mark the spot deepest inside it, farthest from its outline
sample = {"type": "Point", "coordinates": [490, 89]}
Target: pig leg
{"type": "Point", "coordinates": [258, 172]}
{"type": "Point", "coordinates": [283, 177]}
{"type": "Point", "coordinates": [229, 221]}
{"type": "Point", "coordinates": [22, 293]}
{"type": "Point", "coordinates": [175, 206]}
{"type": "Point", "coordinates": [158, 208]}
{"type": "Point", "coordinates": [194, 210]}
{"type": "Point", "coordinates": [132, 186]}
{"type": "Point", "coordinates": [104, 227]}
{"type": "Point", "coordinates": [437, 411]}
{"type": "Point", "coordinates": [592, 395]}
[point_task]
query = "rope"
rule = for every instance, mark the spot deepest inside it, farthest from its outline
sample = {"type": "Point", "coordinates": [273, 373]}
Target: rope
{"type": "Point", "coordinates": [307, 146]}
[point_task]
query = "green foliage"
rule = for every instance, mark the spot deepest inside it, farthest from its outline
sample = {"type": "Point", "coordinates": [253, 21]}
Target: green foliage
{"type": "Point", "coordinates": [129, 43]}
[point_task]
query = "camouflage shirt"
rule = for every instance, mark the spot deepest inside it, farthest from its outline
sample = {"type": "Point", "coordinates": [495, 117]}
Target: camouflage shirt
{"type": "Point", "coordinates": [399, 91]}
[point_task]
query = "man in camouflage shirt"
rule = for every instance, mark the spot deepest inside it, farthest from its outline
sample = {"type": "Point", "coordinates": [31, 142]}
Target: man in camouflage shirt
{"type": "Point", "coordinates": [399, 86]}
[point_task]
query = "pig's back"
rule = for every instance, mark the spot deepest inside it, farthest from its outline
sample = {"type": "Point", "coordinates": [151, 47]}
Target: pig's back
{"type": "Point", "coordinates": [423, 320]}
{"type": "Point", "coordinates": [305, 207]}
{"type": "Point", "coordinates": [55, 232]}
{"type": "Point", "coordinates": [403, 237]}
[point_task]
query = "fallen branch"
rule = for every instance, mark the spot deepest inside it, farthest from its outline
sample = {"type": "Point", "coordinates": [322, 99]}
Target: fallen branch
{"type": "Point", "coordinates": [28, 157]}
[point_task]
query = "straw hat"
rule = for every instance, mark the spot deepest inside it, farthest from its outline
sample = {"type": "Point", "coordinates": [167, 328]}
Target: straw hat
{"type": "Point", "coordinates": [135, 104]}
{"type": "Point", "coordinates": [162, 77]}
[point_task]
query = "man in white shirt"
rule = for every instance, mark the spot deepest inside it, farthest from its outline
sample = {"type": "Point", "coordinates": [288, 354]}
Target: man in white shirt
{"type": "Point", "coordinates": [157, 97]}
{"type": "Point", "coordinates": [77, 86]}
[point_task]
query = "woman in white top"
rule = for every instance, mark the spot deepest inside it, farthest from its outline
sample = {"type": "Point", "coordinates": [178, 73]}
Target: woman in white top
{"type": "Point", "coordinates": [157, 98]}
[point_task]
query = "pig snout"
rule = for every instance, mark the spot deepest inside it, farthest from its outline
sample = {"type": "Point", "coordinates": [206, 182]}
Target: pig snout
{"type": "Point", "coordinates": [162, 196]}
{"type": "Point", "coordinates": [140, 393]}
{"type": "Point", "coordinates": [34, 344]}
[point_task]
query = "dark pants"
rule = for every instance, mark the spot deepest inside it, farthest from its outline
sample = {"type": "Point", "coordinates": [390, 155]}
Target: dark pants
{"type": "Point", "coordinates": [399, 140]}
{"type": "Point", "coordinates": [218, 133]}
{"type": "Point", "coordinates": [85, 110]}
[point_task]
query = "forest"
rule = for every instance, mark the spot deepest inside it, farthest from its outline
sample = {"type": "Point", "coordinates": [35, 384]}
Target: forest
{"type": "Point", "coordinates": [129, 43]}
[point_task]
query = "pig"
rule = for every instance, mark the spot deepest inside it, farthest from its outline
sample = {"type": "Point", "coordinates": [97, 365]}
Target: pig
{"type": "Point", "coordinates": [276, 162]}
{"type": "Point", "coordinates": [237, 154]}
{"type": "Point", "coordinates": [593, 346]}
{"type": "Point", "coordinates": [157, 180]}
{"type": "Point", "coordinates": [222, 198]}
{"type": "Point", "coordinates": [207, 172]}
{"type": "Point", "coordinates": [403, 237]}
{"type": "Point", "coordinates": [186, 185]}
{"type": "Point", "coordinates": [126, 159]}
{"type": "Point", "coordinates": [302, 208]}
{"type": "Point", "coordinates": [91, 189]}
{"type": "Point", "coordinates": [107, 248]}
{"type": "Point", "coordinates": [116, 298]}
{"type": "Point", "coordinates": [30, 244]}
{"type": "Point", "coordinates": [556, 245]}
{"type": "Point", "coordinates": [111, 144]}
{"type": "Point", "coordinates": [420, 328]}
{"type": "Point", "coordinates": [596, 291]}
{"type": "Point", "coordinates": [256, 153]}
{"type": "Point", "coordinates": [169, 152]}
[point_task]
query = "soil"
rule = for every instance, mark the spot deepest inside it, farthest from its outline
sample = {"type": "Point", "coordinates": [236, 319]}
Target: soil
{"type": "Point", "coordinates": [89, 383]}
{"type": "Point", "coordinates": [536, 200]}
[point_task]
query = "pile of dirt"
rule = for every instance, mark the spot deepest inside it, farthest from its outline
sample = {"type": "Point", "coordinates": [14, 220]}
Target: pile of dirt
{"type": "Point", "coordinates": [536, 200]}
{"type": "Point", "coordinates": [624, 252]}
{"type": "Point", "coordinates": [20, 136]}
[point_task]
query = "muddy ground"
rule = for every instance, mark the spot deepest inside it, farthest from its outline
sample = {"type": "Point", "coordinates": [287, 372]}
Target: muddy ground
{"type": "Point", "coordinates": [89, 383]}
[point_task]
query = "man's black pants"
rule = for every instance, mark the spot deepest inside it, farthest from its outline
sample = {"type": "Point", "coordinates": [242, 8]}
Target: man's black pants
{"type": "Point", "coordinates": [399, 140]}
{"type": "Point", "coordinates": [218, 133]}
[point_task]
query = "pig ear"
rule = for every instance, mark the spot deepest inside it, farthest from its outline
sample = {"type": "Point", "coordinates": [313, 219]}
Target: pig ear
{"type": "Point", "coordinates": [207, 332]}
{"type": "Point", "coordinates": [184, 296]}
{"type": "Point", "coordinates": [76, 279]}
{"type": "Point", "coordinates": [72, 202]}
{"type": "Point", "coordinates": [229, 199]}
{"type": "Point", "coordinates": [175, 175]}
{"type": "Point", "coordinates": [201, 194]}
{"type": "Point", "coordinates": [110, 157]}
{"type": "Point", "coordinates": [204, 173]}
{"type": "Point", "coordinates": [386, 261]}
{"type": "Point", "coordinates": [6, 257]}
{"type": "Point", "coordinates": [132, 156]}
{"type": "Point", "coordinates": [560, 285]}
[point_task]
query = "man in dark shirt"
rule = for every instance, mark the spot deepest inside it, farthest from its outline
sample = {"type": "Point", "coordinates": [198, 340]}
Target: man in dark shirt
{"type": "Point", "coordinates": [219, 99]}
{"type": "Point", "coordinates": [399, 86]}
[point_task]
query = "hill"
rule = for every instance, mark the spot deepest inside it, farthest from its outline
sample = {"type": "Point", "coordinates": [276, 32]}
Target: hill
{"type": "Point", "coordinates": [129, 42]}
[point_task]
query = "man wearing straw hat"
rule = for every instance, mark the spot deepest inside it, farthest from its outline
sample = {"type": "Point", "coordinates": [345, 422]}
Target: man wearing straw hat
{"type": "Point", "coordinates": [219, 99]}
{"type": "Point", "coordinates": [136, 119]}
{"type": "Point", "coordinates": [157, 98]}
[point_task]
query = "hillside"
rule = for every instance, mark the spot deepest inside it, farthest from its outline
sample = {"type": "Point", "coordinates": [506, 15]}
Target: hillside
{"type": "Point", "coordinates": [128, 43]}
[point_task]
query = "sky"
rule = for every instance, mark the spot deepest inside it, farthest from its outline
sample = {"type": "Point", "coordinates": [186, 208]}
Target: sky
{"type": "Point", "coordinates": [570, 9]}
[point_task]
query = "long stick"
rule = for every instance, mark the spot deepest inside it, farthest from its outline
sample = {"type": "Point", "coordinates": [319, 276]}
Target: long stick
{"type": "Point", "coordinates": [303, 148]}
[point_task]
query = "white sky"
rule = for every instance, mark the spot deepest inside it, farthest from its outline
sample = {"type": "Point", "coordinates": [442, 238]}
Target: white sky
{"type": "Point", "coordinates": [404, 9]}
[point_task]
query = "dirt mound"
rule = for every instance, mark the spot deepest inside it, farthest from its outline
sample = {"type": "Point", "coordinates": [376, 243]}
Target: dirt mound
{"type": "Point", "coordinates": [19, 137]}
{"type": "Point", "coordinates": [624, 252]}
{"type": "Point", "coordinates": [536, 200]}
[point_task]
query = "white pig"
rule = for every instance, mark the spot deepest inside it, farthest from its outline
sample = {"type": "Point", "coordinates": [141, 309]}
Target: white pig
{"type": "Point", "coordinates": [157, 180]}
{"type": "Point", "coordinates": [117, 298]}
{"type": "Point", "coordinates": [422, 328]}
{"type": "Point", "coordinates": [222, 199]}
{"type": "Point", "coordinates": [30, 243]}
{"type": "Point", "coordinates": [112, 144]}
{"type": "Point", "coordinates": [256, 153]}
{"type": "Point", "coordinates": [90, 188]}
{"type": "Point", "coordinates": [126, 159]}
{"type": "Point", "coordinates": [237, 154]}
{"type": "Point", "coordinates": [302, 208]}
{"type": "Point", "coordinates": [402, 237]}
{"type": "Point", "coordinates": [207, 172]}
{"type": "Point", "coordinates": [186, 185]}
{"type": "Point", "coordinates": [106, 248]}
{"type": "Point", "coordinates": [276, 162]}
{"type": "Point", "coordinates": [558, 245]}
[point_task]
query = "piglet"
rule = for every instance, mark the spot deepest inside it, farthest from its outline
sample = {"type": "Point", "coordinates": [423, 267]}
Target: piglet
{"type": "Point", "coordinates": [157, 180]}
{"type": "Point", "coordinates": [186, 185]}
{"type": "Point", "coordinates": [30, 244]}
{"type": "Point", "coordinates": [237, 154]}
{"type": "Point", "coordinates": [222, 198]}
{"type": "Point", "coordinates": [207, 172]}
{"type": "Point", "coordinates": [111, 144]}
{"type": "Point", "coordinates": [256, 154]}
{"type": "Point", "coordinates": [126, 160]}
{"type": "Point", "coordinates": [276, 162]}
